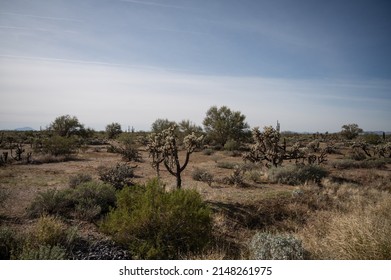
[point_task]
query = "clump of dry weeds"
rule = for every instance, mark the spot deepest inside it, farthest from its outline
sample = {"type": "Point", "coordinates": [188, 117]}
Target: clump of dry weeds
{"type": "Point", "coordinates": [358, 227]}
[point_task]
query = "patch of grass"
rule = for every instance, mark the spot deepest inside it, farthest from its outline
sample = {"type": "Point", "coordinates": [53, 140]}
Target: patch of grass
{"type": "Point", "coordinates": [296, 174]}
{"type": "Point", "coordinates": [4, 195]}
{"type": "Point", "coordinates": [227, 165]}
{"type": "Point", "coordinates": [365, 164]}
{"type": "Point", "coordinates": [43, 252]}
{"type": "Point", "coordinates": [362, 233]}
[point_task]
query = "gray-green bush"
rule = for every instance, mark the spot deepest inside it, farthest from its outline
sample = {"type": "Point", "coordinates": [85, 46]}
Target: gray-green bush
{"type": "Point", "coordinates": [78, 179]}
{"type": "Point", "coordinates": [86, 201]}
{"type": "Point", "coordinates": [297, 174]}
{"type": "Point", "coordinates": [202, 175]}
{"type": "Point", "coordinates": [118, 176]}
{"type": "Point", "coordinates": [268, 246]}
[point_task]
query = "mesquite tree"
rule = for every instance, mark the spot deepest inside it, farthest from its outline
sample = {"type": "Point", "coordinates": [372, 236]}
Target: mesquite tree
{"type": "Point", "coordinates": [164, 147]}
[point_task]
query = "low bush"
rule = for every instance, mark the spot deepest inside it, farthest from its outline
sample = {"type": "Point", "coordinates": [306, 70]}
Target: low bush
{"type": "Point", "coordinates": [255, 176]}
{"type": "Point", "coordinates": [155, 224]}
{"type": "Point", "coordinates": [203, 176]}
{"type": "Point", "coordinates": [86, 201]}
{"type": "Point", "coordinates": [297, 174]}
{"type": "Point", "coordinates": [60, 146]}
{"type": "Point", "coordinates": [268, 246]}
{"type": "Point", "coordinates": [236, 178]}
{"type": "Point", "coordinates": [8, 243]}
{"type": "Point", "coordinates": [231, 145]}
{"type": "Point", "coordinates": [227, 165]}
{"type": "Point", "coordinates": [91, 200]}
{"type": "Point", "coordinates": [208, 152]}
{"type": "Point", "coordinates": [50, 202]}
{"type": "Point", "coordinates": [118, 176]}
{"type": "Point", "coordinates": [48, 230]}
{"type": "Point", "coordinates": [130, 153]}
{"type": "Point", "coordinates": [78, 179]}
{"type": "Point", "coordinates": [352, 164]}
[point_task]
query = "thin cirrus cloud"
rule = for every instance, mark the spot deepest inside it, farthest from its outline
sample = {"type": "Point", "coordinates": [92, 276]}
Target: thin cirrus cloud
{"type": "Point", "coordinates": [100, 93]}
{"type": "Point", "coordinates": [42, 17]}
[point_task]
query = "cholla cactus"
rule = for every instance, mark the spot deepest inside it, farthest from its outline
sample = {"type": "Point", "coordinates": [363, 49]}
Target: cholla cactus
{"type": "Point", "coordinates": [155, 148]}
{"type": "Point", "coordinates": [163, 147]}
{"type": "Point", "coordinates": [365, 147]}
{"type": "Point", "coordinates": [266, 147]}
{"type": "Point", "coordinates": [383, 150]}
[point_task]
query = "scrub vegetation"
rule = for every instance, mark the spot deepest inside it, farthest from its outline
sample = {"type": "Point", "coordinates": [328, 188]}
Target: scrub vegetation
{"type": "Point", "coordinates": [181, 191]}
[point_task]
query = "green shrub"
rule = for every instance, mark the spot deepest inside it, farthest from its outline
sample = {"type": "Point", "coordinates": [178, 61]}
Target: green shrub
{"type": "Point", "coordinates": [155, 224]}
{"type": "Point", "coordinates": [118, 176]}
{"type": "Point", "coordinates": [92, 200]}
{"type": "Point", "coordinates": [267, 246]}
{"type": "Point", "coordinates": [297, 174]}
{"type": "Point", "coordinates": [8, 243]}
{"type": "Point", "coordinates": [231, 145]}
{"type": "Point", "coordinates": [60, 146]}
{"type": "Point", "coordinates": [77, 179]}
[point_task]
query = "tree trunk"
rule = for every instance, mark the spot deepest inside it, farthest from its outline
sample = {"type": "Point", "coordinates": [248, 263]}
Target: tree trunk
{"type": "Point", "coordinates": [178, 181]}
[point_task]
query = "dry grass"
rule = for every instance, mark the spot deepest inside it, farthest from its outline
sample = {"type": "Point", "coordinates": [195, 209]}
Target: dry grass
{"type": "Point", "coordinates": [350, 204]}
{"type": "Point", "coordinates": [361, 230]}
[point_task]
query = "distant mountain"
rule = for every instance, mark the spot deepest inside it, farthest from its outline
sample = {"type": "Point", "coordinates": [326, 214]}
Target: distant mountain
{"type": "Point", "coordinates": [27, 128]}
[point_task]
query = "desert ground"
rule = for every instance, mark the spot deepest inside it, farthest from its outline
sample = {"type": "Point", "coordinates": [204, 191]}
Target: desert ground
{"type": "Point", "coordinates": [343, 216]}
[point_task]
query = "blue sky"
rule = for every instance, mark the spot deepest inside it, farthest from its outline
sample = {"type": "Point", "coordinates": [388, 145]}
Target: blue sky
{"type": "Point", "coordinates": [312, 65]}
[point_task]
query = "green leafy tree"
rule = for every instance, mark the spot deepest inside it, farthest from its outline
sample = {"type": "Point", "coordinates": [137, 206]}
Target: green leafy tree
{"type": "Point", "coordinates": [222, 124]}
{"type": "Point", "coordinates": [187, 127]}
{"type": "Point", "coordinates": [351, 131]}
{"type": "Point", "coordinates": [161, 124]}
{"type": "Point", "coordinates": [113, 130]}
{"type": "Point", "coordinates": [67, 126]}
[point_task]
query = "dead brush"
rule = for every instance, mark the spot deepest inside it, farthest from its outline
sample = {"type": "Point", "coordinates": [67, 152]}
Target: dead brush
{"type": "Point", "coordinates": [362, 232]}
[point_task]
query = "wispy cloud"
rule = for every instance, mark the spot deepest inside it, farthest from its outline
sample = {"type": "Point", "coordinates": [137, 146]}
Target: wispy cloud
{"type": "Point", "coordinates": [42, 17]}
{"type": "Point", "coordinates": [156, 4]}
{"type": "Point", "coordinates": [138, 96]}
